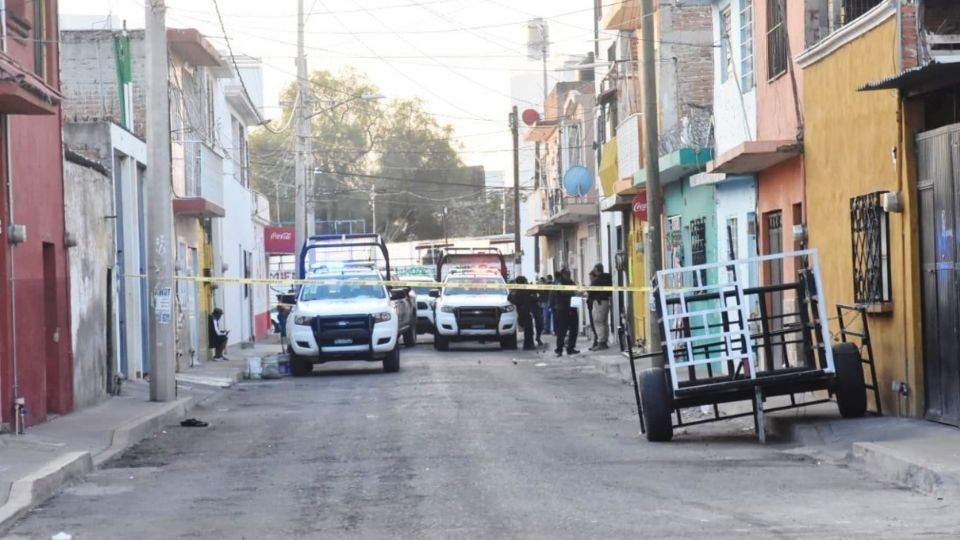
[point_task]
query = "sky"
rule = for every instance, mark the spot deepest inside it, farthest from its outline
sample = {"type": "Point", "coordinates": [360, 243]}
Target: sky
{"type": "Point", "coordinates": [457, 55]}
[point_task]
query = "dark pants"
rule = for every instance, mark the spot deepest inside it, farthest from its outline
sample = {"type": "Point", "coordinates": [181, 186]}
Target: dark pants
{"type": "Point", "coordinates": [219, 344]}
{"type": "Point", "coordinates": [526, 322]}
{"type": "Point", "coordinates": [538, 321]}
{"type": "Point", "coordinates": [566, 323]}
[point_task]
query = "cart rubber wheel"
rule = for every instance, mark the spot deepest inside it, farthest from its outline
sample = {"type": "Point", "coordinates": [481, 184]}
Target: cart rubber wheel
{"type": "Point", "coordinates": [850, 386]}
{"type": "Point", "coordinates": [410, 336]}
{"type": "Point", "coordinates": [657, 402]}
{"type": "Point", "coordinates": [509, 343]}
{"type": "Point", "coordinates": [391, 364]}
{"type": "Point", "coordinates": [441, 343]}
{"type": "Point", "coordinates": [299, 366]}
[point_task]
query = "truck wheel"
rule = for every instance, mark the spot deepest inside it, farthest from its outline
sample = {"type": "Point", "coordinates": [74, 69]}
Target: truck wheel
{"type": "Point", "coordinates": [410, 336]}
{"type": "Point", "coordinates": [441, 343]}
{"type": "Point", "coordinates": [850, 386]}
{"type": "Point", "coordinates": [509, 343]}
{"type": "Point", "coordinates": [299, 366]}
{"type": "Point", "coordinates": [391, 364]}
{"type": "Point", "coordinates": [657, 401]}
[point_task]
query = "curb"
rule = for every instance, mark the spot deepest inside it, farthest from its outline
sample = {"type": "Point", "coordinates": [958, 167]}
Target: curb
{"type": "Point", "coordinates": [136, 430]}
{"type": "Point", "coordinates": [36, 488]}
{"type": "Point", "coordinates": [886, 465]}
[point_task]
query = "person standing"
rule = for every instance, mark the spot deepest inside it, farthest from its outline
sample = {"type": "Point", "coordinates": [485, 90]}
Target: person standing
{"type": "Point", "coordinates": [564, 316]}
{"type": "Point", "coordinates": [218, 336]}
{"type": "Point", "coordinates": [525, 302]}
{"type": "Point", "coordinates": [600, 301]}
{"type": "Point", "coordinates": [548, 325]}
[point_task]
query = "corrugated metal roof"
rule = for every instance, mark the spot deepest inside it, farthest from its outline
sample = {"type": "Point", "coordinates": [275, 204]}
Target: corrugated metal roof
{"type": "Point", "coordinates": [919, 79]}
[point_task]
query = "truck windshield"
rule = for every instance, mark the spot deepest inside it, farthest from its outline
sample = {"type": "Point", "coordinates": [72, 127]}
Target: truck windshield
{"type": "Point", "coordinates": [343, 288]}
{"type": "Point", "coordinates": [453, 291]}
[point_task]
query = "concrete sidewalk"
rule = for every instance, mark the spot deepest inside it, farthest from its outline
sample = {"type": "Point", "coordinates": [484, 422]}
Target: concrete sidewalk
{"type": "Point", "coordinates": [35, 465]}
{"type": "Point", "coordinates": [910, 452]}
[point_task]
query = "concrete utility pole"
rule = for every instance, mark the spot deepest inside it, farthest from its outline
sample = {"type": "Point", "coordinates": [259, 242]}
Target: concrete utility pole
{"type": "Point", "coordinates": [159, 199]}
{"type": "Point", "coordinates": [651, 137]}
{"type": "Point", "coordinates": [515, 132]}
{"type": "Point", "coordinates": [301, 218]}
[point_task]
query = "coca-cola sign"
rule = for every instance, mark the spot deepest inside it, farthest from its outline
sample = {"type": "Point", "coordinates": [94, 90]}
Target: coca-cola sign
{"type": "Point", "coordinates": [279, 240]}
{"type": "Point", "coordinates": [639, 205]}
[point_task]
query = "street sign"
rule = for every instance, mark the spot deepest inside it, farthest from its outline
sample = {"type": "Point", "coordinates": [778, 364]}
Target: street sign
{"type": "Point", "coordinates": [639, 205]}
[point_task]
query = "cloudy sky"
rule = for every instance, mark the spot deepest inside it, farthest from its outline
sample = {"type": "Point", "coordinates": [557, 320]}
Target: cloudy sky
{"type": "Point", "coordinates": [457, 55]}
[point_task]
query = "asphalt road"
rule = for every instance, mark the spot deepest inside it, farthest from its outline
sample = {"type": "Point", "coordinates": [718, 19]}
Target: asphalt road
{"type": "Point", "coordinates": [467, 444]}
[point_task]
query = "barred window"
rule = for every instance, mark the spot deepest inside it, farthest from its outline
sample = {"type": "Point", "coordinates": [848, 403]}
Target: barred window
{"type": "Point", "coordinates": [776, 38]}
{"type": "Point", "coordinates": [851, 9]}
{"type": "Point", "coordinates": [698, 245]}
{"type": "Point", "coordinates": [870, 229]}
{"type": "Point", "coordinates": [746, 45]}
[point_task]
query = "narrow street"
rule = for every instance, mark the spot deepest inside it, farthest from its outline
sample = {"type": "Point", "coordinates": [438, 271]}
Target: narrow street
{"type": "Point", "coordinates": [474, 444]}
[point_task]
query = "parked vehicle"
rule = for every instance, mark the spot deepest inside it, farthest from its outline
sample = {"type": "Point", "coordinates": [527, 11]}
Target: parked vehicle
{"type": "Point", "coordinates": [465, 313]}
{"type": "Point", "coordinates": [345, 311]}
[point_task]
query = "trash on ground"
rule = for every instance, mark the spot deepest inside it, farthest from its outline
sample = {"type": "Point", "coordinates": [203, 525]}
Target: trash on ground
{"type": "Point", "coordinates": [193, 422]}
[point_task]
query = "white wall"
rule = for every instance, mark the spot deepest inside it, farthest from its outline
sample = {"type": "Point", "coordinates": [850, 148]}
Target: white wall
{"type": "Point", "coordinates": [734, 107]}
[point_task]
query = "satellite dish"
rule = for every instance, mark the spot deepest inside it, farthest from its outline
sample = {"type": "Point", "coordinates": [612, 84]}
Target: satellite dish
{"type": "Point", "coordinates": [530, 117]}
{"type": "Point", "coordinates": [578, 181]}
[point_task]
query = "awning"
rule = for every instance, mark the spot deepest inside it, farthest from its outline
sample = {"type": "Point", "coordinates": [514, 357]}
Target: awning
{"type": "Point", "coordinates": [677, 165]}
{"type": "Point", "coordinates": [197, 207]}
{"type": "Point", "coordinates": [754, 156]}
{"type": "Point", "coordinates": [608, 167]}
{"type": "Point", "coordinates": [616, 203]}
{"type": "Point", "coordinates": [190, 44]}
{"type": "Point", "coordinates": [919, 80]}
{"type": "Point", "coordinates": [543, 229]}
{"type": "Point", "coordinates": [22, 92]}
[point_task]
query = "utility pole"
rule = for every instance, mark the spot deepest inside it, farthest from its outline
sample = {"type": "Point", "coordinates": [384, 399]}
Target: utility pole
{"type": "Point", "coordinates": [159, 199]}
{"type": "Point", "coordinates": [515, 132]}
{"type": "Point", "coordinates": [373, 210]}
{"type": "Point", "coordinates": [300, 220]}
{"type": "Point", "coordinates": [651, 136]}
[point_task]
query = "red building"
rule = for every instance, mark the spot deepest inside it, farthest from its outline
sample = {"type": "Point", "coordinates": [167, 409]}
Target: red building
{"type": "Point", "coordinates": [35, 358]}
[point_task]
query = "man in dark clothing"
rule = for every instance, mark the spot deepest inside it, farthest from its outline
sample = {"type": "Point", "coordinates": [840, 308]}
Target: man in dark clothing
{"type": "Point", "coordinates": [564, 316]}
{"type": "Point", "coordinates": [526, 302]}
{"type": "Point", "coordinates": [548, 325]}
{"type": "Point", "coordinates": [218, 336]}
{"type": "Point", "coordinates": [600, 306]}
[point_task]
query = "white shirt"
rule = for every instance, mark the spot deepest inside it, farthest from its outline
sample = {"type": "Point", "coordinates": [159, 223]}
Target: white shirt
{"type": "Point", "coordinates": [216, 327]}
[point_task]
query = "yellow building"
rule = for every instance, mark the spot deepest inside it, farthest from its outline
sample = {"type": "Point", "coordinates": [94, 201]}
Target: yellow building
{"type": "Point", "coordinates": [872, 92]}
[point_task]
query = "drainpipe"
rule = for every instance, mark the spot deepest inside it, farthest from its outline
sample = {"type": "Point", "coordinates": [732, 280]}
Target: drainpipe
{"type": "Point", "coordinates": [12, 268]}
{"type": "Point", "coordinates": [3, 25]}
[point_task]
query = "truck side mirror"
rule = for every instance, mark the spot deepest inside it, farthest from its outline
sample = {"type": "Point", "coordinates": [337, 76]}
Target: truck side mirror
{"type": "Point", "coordinates": [399, 293]}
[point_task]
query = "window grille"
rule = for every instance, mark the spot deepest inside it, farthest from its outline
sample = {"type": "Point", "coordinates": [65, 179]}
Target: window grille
{"type": "Point", "coordinates": [746, 45]}
{"type": "Point", "coordinates": [851, 9]}
{"type": "Point", "coordinates": [776, 38]}
{"type": "Point", "coordinates": [698, 245]}
{"type": "Point", "coordinates": [869, 225]}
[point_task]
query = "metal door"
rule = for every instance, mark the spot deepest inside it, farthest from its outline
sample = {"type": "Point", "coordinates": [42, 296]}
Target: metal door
{"type": "Point", "coordinates": [774, 300]}
{"type": "Point", "coordinates": [939, 173]}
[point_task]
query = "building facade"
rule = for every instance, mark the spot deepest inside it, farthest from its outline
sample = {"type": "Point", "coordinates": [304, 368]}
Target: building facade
{"type": "Point", "coordinates": [36, 366]}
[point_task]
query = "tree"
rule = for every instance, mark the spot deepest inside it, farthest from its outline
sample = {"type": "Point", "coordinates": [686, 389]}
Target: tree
{"type": "Point", "coordinates": [395, 149]}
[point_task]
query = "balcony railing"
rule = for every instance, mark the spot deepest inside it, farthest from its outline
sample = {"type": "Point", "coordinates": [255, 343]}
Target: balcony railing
{"type": "Point", "coordinates": [202, 172]}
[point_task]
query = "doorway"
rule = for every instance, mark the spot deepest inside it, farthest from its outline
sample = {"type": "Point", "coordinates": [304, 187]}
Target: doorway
{"type": "Point", "coordinates": [939, 175]}
{"type": "Point", "coordinates": [51, 329]}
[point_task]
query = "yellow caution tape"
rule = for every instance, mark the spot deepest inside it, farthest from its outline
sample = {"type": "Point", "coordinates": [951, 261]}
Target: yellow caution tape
{"type": "Point", "coordinates": [403, 283]}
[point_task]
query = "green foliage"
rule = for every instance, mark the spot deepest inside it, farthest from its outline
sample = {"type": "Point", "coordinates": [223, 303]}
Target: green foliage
{"type": "Point", "coordinates": [393, 147]}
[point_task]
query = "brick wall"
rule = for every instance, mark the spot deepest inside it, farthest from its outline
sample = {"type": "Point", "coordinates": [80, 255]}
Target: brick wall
{"type": "Point", "coordinates": [89, 77]}
{"type": "Point", "coordinates": [908, 35]}
{"type": "Point", "coordinates": [686, 66]}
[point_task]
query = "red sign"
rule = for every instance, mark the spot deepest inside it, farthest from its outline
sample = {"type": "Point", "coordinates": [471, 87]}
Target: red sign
{"type": "Point", "coordinates": [279, 240]}
{"type": "Point", "coordinates": [639, 205]}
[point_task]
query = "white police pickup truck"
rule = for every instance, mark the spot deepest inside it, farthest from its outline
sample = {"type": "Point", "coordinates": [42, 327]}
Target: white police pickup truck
{"type": "Point", "coordinates": [344, 311]}
{"type": "Point", "coordinates": [474, 314]}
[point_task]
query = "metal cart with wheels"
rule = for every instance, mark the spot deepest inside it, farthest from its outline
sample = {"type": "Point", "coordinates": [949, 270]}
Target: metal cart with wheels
{"type": "Point", "coordinates": [726, 338]}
